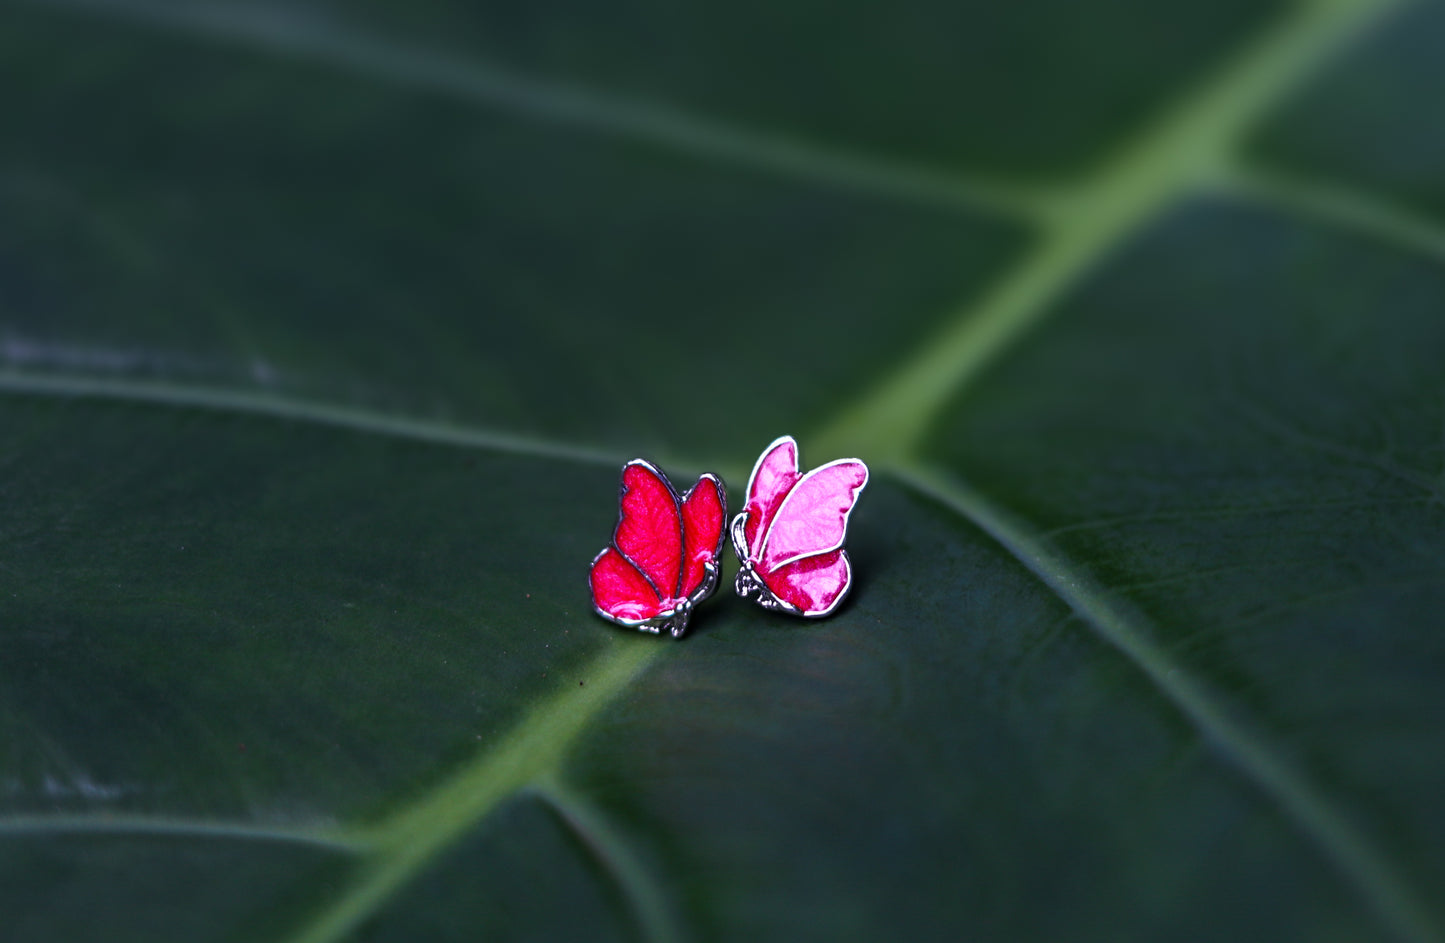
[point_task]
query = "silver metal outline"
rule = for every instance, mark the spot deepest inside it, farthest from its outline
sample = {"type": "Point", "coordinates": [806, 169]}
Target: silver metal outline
{"type": "Point", "coordinates": [673, 621]}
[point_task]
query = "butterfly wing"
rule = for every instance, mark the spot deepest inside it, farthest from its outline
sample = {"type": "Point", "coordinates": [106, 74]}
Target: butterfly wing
{"type": "Point", "coordinates": [813, 516]}
{"type": "Point", "coordinates": [649, 532]}
{"type": "Point", "coordinates": [703, 512]}
{"type": "Point", "coordinates": [635, 579]}
{"type": "Point", "coordinates": [815, 585]}
{"type": "Point", "coordinates": [774, 475]}
{"type": "Point", "coordinates": [620, 591]}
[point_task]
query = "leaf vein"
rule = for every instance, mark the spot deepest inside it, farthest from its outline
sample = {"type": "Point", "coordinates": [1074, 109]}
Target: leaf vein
{"type": "Point", "coordinates": [1337, 206]}
{"type": "Point", "coordinates": [122, 824]}
{"type": "Point", "coordinates": [650, 906]}
{"type": "Point", "coordinates": [279, 31]}
{"type": "Point", "coordinates": [27, 383]}
{"type": "Point", "coordinates": [1179, 155]}
{"type": "Point", "coordinates": [1381, 882]}
{"type": "Point", "coordinates": [532, 751]}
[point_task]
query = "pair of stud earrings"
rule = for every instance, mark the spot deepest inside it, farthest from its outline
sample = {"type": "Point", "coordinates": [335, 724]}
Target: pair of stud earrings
{"type": "Point", "coordinates": [665, 553]}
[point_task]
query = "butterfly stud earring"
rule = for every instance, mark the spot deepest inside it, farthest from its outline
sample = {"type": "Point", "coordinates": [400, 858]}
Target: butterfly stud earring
{"type": "Point", "coordinates": [663, 560]}
{"type": "Point", "coordinates": [789, 537]}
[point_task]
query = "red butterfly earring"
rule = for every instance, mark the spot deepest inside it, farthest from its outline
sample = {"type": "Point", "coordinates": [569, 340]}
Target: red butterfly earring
{"type": "Point", "coordinates": [789, 537]}
{"type": "Point", "coordinates": [663, 560]}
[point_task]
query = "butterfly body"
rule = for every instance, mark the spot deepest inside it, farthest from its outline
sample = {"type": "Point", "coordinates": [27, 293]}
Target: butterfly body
{"type": "Point", "coordinates": [789, 537]}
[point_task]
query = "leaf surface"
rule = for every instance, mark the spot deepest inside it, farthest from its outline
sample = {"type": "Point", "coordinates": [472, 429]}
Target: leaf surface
{"type": "Point", "coordinates": [325, 330]}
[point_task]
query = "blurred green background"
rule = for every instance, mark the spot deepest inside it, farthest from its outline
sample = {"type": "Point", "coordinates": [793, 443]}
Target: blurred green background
{"type": "Point", "coordinates": [326, 326]}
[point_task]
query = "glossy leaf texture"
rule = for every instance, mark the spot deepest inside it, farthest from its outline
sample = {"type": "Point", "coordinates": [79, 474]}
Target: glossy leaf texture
{"type": "Point", "coordinates": [325, 328]}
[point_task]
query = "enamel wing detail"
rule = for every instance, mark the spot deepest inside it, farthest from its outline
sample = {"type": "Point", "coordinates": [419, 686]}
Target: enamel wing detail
{"type": "Point", "coordinates": [663, 560]}
{"type": "Point", "coordinates": [789, 537]}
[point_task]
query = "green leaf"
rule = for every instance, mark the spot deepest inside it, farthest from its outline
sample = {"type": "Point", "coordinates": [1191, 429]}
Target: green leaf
{"type": "Point", "coordinates": [325, 329]}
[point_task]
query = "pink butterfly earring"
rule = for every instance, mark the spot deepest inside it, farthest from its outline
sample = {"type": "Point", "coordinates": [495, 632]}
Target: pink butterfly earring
{"type": "Point", "coordinates": [663, 559]}
{"type": "Point", "coordinates": [789, 536]}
